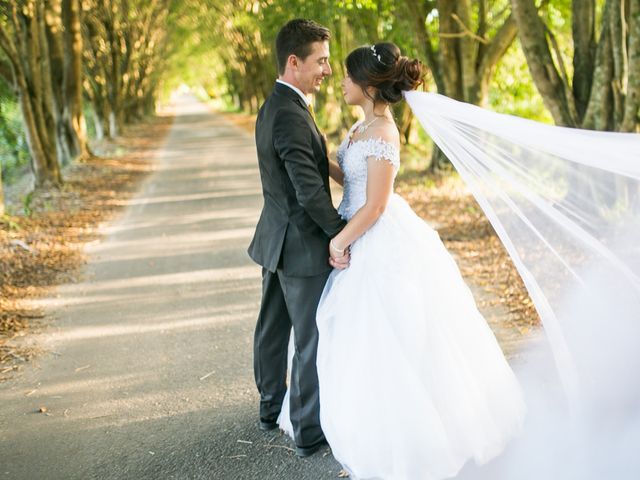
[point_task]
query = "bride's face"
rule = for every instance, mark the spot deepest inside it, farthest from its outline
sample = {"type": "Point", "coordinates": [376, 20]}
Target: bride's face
{"type": "Point", "coordinates": [352, 92]}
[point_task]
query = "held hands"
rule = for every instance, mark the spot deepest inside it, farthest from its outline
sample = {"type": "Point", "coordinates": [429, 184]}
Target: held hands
{"type": "Point", "coordinates": [338, 258]}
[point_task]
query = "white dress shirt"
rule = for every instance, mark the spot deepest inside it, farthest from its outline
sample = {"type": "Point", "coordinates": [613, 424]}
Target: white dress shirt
{"type": "Point", "coordinates": [307, 102]}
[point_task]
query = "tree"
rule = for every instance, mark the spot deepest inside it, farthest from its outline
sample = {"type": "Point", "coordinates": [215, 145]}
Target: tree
{"type": "Point", "coordinates": [471, 41]}
{"type": "Point", "coordinates": [43, 46]}
{"type": "Point", "coordinates": [73, 123]}
{"type": "Point", "coordinates": [12, 149]}
{"type": "Point", "coordinates": [65, 51]}
{"type": "Point", "coordinates": [123, 59]}
{"type": "Point", "coordinates": [23, 38]}
{"type": "Point", "coordinates": [461, 42]}
{"type": "Point", "coordinates": [1, 193]}
{"type": "Point", "coordinates": [603, 92]}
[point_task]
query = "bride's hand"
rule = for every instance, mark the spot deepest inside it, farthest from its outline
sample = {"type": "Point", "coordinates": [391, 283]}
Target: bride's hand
{"type": "Point", "coordinates": [340, 262]}
{"type": "Point", "coordinates": [338, 258]}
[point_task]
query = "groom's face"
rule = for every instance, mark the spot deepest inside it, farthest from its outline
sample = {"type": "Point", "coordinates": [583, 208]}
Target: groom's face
{"type": "Point", "coordinates": [312, 70]}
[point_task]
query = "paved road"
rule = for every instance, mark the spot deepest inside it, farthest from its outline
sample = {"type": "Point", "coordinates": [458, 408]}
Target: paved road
{"type": "Point", "coordinates": [148, 371]}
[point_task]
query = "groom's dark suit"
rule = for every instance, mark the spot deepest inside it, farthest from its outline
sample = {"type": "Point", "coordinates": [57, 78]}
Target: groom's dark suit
{"type": "Point", "coordinates": [291, 243]}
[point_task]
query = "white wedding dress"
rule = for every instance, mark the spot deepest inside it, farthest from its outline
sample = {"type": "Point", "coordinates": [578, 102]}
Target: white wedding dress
{"type": "Point", "coordinates": [412, 381]}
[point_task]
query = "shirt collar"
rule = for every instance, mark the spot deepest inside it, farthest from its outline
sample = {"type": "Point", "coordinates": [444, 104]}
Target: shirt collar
{"type": "Point", "coordinates": [297, 90]}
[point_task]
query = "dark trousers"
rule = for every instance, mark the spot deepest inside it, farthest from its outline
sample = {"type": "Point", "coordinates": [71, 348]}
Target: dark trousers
{"type": "Point", "coordinates": [286, 302]}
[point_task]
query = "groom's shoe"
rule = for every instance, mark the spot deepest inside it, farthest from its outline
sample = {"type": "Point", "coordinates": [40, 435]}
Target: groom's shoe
{"type": "Point", "coordinates": [303, 452]}
{"type": "Point", "coordinates": [267, 426]}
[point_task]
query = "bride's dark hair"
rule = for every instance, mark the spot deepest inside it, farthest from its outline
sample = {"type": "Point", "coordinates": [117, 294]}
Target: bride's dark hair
{"type": "Point", "coordinates": [383, 66]}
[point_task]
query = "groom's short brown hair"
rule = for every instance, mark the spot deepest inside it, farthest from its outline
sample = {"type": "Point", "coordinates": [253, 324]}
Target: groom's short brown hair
{"type": "Point", "coordinates": [296, 37]}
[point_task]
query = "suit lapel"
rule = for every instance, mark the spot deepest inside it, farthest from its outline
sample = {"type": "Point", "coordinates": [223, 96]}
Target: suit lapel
{"type": "Point", "coordinates": [292, 95]}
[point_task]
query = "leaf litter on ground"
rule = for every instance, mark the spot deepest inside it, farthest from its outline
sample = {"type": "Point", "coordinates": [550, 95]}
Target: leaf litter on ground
{"type": "Point", "coordinates": [42, 248]}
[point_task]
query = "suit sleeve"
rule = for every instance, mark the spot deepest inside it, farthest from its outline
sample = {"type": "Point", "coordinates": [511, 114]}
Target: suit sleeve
{"type": "Point", "coordinates": [293, 146]}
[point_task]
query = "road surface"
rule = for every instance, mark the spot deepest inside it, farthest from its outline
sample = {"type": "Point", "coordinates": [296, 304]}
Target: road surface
{"type": "Point", "coordinates": [148, 366]}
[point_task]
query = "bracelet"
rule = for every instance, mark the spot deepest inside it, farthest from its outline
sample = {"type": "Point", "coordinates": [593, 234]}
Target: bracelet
{"type": "Point", "coordinates": [337, 250]}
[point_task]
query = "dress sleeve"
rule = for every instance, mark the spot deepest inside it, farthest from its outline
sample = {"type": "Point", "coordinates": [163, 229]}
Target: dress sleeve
{"type": "Point", "coordinates": [379, 149]}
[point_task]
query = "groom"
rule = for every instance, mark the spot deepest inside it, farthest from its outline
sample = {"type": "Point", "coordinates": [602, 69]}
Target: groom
{"type": "Point", "coordinates": [291, 241]}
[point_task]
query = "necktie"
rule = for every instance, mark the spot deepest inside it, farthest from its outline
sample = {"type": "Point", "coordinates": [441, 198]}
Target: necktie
{"type": "Point", "coordinates": [313, 114]}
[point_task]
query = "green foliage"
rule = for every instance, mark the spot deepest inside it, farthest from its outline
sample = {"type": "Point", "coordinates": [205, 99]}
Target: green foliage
{"type": "Point", "coordinates": [28, 199]}
{"type": "Point", "coordinates": [14, 153]}
{"type": "Point", "coordinates": [227, 51]}
{"type": "Point", "coordinates": [512, 90]}
{"type": "Point", "coordinates": [224, 52]}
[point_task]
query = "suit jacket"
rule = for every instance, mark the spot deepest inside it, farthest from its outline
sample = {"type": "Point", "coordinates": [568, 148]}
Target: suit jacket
{"type": "Point", "coordinates": [298, 218]}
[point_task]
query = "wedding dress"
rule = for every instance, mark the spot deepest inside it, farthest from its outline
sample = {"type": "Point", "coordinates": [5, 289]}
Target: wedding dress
{"type": "Point", "coordinates": [413, 383]}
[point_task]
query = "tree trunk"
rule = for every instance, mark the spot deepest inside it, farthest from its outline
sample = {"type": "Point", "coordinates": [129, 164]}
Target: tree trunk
{"type": "Point", "coordinates": [604, 91]}
{"type": "Point", "coordinates": [584, 51]}
{"type": "Point", "coordinates": [72, 115]}
{"type": "Point", "coordinates": [98, 125]}
{"type": "Point", "coordinates": [35, 45]}
{"type": "Point", "coordinates": [54, 38]}
{"type": "Point", "coordinates": [124, 50]}
{"type": "Point", "coordinates": [44, 159]}
{"type": "Point", "coordinates": [1, 193]}
{"type": "Point", "coordinates": [96, 71]}
{"type": "Point", "coordinates": [549, 81]}
{"type": "Point", "coordinates": [630, 118]}
{"type": "Point", "coordinates": [463, 65]}
{"type": "Point", "coordinates": [24, 41]}
{"type": "Point", "coordinates": [417, 12]}
{"type": "Point", "coordinates": [599, 107]}
{"type": "Point", "coordinates": [114, 82]}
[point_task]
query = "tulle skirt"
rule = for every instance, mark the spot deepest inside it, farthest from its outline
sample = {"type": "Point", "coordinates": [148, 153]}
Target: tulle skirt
{"type": "Point", "coordinates": [412, 381]}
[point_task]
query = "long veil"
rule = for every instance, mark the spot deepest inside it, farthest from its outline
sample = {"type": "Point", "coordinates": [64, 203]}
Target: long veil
{"type": "Point", "coordinates": [566, 205]}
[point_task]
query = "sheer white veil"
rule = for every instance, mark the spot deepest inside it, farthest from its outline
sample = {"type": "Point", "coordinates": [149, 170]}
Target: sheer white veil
{"type": "Point", "coordinates": [566, 205]}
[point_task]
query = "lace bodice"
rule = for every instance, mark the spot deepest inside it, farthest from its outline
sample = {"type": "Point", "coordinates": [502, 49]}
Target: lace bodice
{"type": "Point", "coordinates": [353, 162]}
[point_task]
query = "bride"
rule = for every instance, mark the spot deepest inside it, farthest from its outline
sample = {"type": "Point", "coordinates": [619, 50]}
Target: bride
{"type": "Point", "coordinates": [412, 381]}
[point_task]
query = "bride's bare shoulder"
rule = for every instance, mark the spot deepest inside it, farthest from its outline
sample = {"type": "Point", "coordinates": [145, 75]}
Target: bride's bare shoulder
{"type": "Point", "coordinates": [386, 131]}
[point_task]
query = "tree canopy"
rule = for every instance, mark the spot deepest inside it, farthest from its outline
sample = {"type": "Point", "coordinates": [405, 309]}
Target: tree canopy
{"type": "Point", "coordinates": [72, 69]}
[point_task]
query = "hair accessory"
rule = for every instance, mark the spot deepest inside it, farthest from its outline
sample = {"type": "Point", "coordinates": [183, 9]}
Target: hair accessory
{"type": "Point", "coordinates": [376, 54]}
